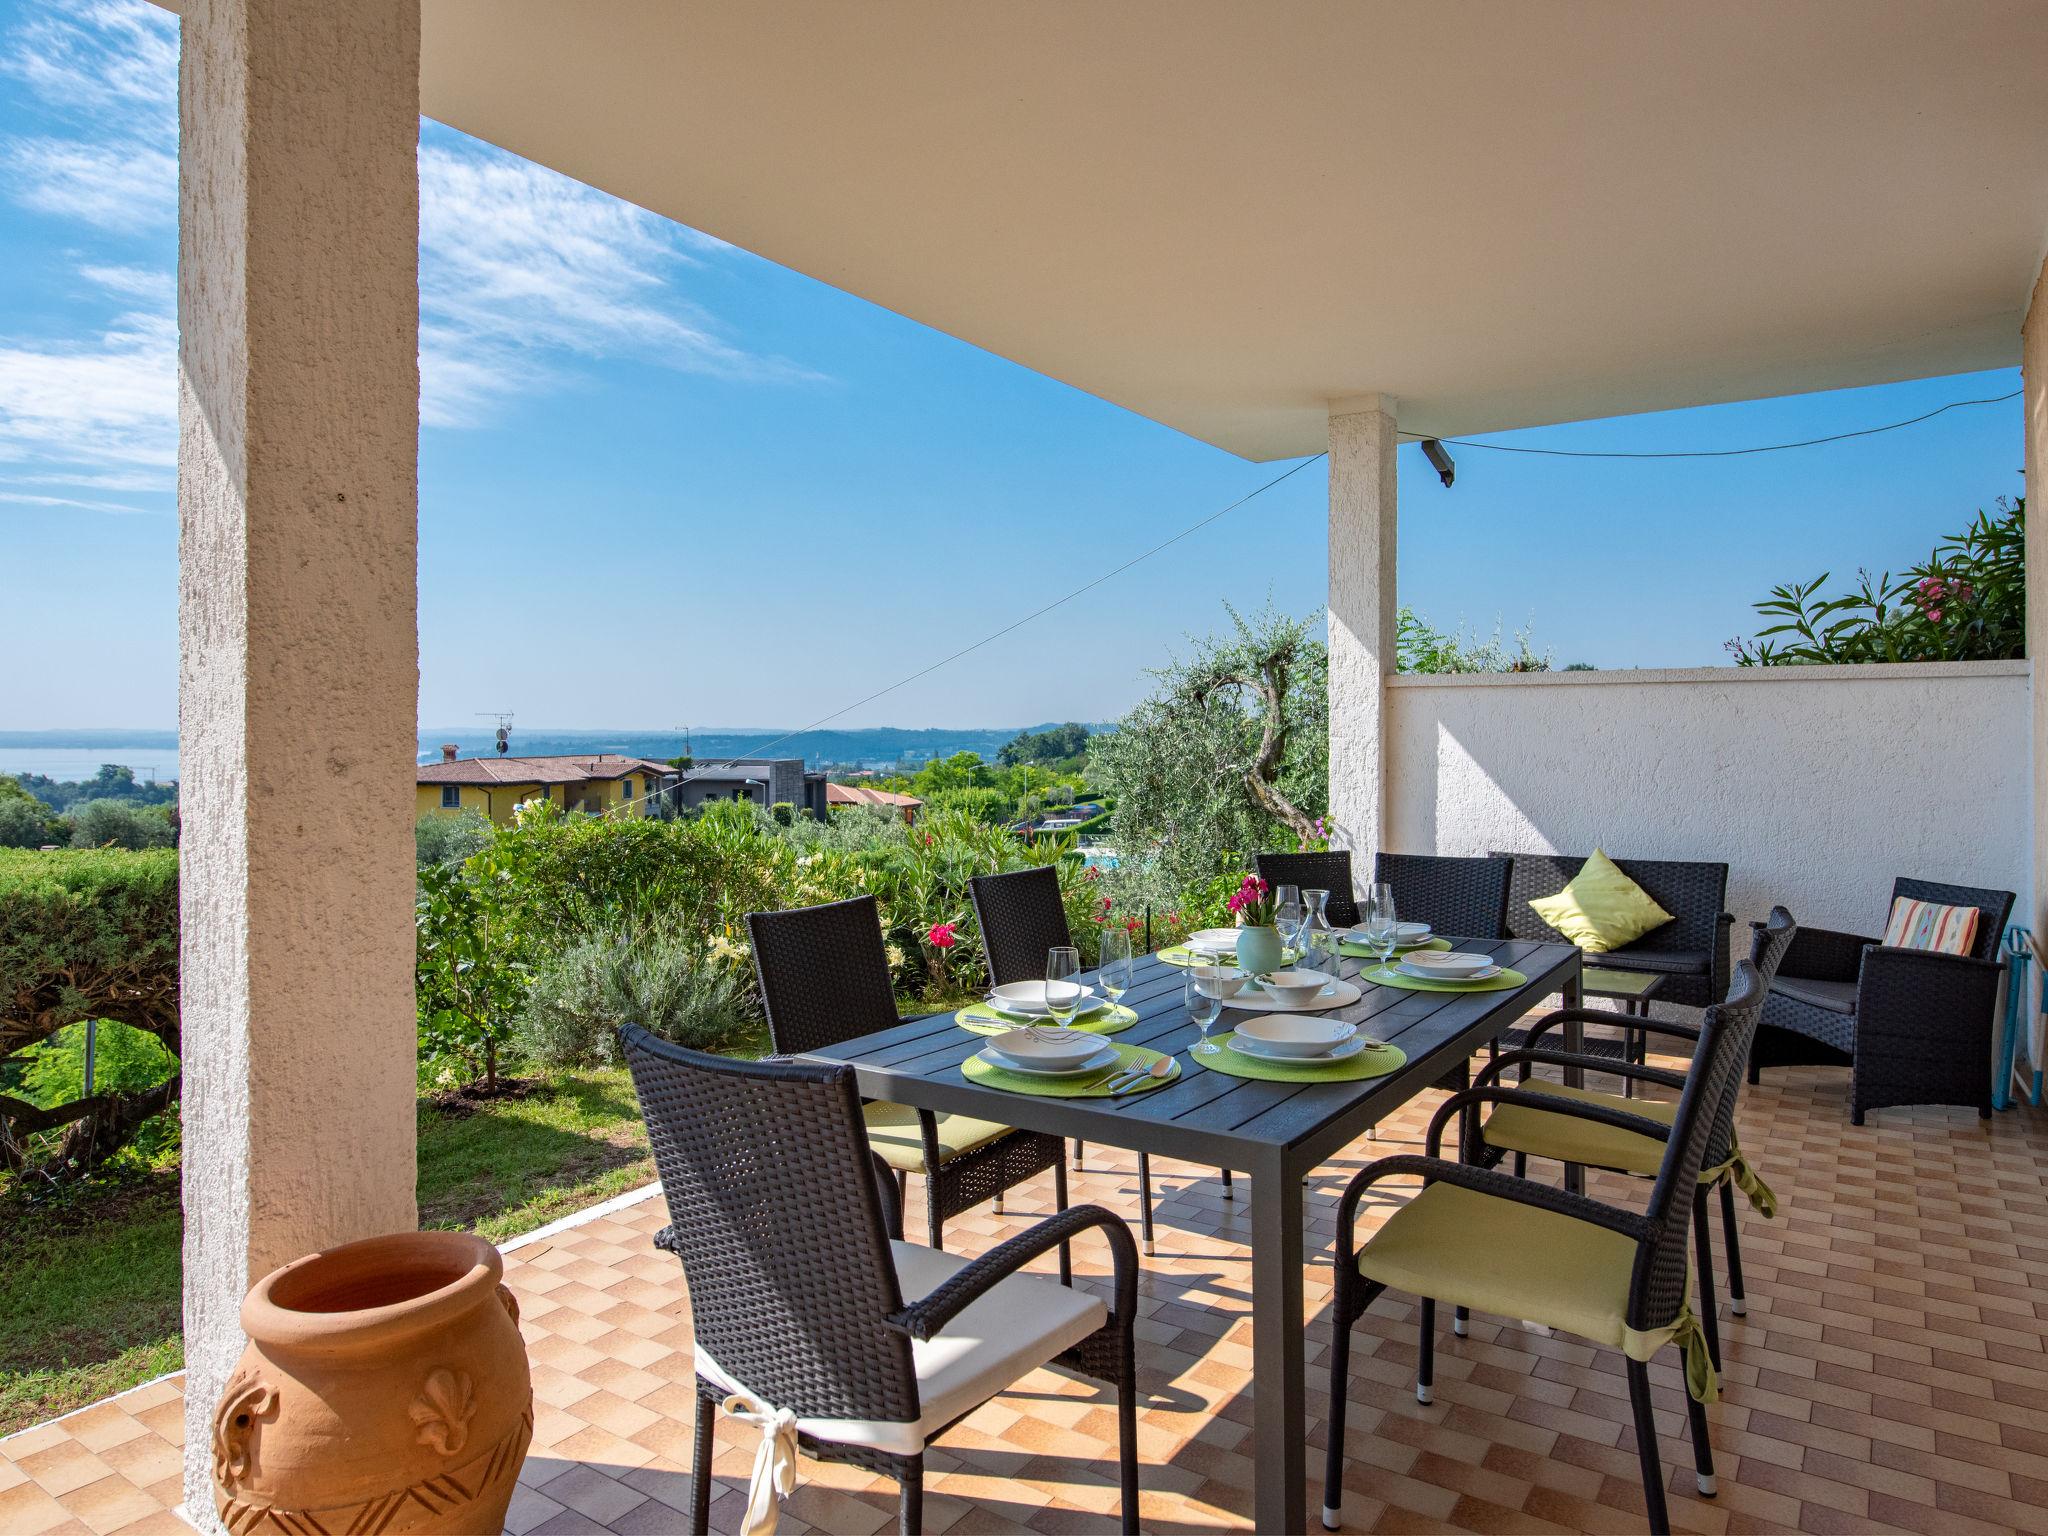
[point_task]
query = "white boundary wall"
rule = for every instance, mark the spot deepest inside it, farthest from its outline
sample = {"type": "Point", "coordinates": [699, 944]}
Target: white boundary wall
{"type": "Point", "coordinates": [1817, 785]}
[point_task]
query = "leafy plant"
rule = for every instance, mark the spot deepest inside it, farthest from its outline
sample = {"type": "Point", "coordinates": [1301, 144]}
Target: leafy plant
{"type": "Point", "coordinates": [1419, 646]}
{"type": "Point", "coordinates": [1965, 602]}
{"type": "Point", "coordinates": [449, 837]}
{"type": "Point", "coordinates": [470, 973]}
{"type": "Point", "coordinates": [657, 978]}
{"type": "Point", "coordinates": [119, 824]}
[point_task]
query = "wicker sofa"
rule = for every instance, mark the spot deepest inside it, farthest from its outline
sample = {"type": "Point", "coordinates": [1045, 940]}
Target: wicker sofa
{"type": "Point", "coordinates": [1912, 1026]}
{"type": "Point", "coordinates": [1690, 952]}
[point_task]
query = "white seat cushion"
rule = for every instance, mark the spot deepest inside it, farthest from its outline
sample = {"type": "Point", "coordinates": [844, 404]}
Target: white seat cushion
{"type": "Point", "coordinates": [1015, 1326]}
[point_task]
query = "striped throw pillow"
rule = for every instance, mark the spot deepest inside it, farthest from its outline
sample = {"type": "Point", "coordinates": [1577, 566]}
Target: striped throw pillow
{"type": "Point", "coordinates": [1928, 925]}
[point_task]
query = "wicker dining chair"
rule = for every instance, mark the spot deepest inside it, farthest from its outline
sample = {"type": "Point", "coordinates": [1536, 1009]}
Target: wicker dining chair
{"type": "Point", "coordinates": [1564, 1138]}
{"type": "Point", "coordinates": [1459, 898]}
{"type": "Point", "coordinates": [824, 975]}
{"type": "Point", "coordinates": [804, 1299]}
{"type": "Point", "coordinates": [1021, 915]}
{"type": "Point", "coordinates": [1480, 1239]}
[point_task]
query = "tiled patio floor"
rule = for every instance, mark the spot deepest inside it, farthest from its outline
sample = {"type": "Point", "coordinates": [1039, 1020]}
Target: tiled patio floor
{"type": "Point", "coordinates": [1890, 1373]}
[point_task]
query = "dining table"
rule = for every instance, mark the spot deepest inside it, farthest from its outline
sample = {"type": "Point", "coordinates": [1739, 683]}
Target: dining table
{"type": "Point", "coordinates": [1277, 1132]}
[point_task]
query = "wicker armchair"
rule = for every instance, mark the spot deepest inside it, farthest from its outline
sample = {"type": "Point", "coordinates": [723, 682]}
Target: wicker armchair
{"type": "Point", "coordinates": [1480, 1239]}
{"type": "Point", "coordinates": [802, 1301]}
{"type": "Point", "coordinates": [1315, 872]}
{"type": "Point", "coordinates": [824, 977]}
{"type": "Point", "coordinates": [1913, 1027]}
{"type": "Point", "coordinates": [1459, 898]}
{"type": "Point", "coordinates": [1544, 1133]}
{"type": "Point", "coordinates": [1021, 916]}
{"type": "Point", "coordinates": [1691, 951]}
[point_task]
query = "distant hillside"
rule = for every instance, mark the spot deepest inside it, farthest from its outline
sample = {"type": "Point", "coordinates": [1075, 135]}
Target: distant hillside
{"type": "Point", "coordinates": [880, 746]}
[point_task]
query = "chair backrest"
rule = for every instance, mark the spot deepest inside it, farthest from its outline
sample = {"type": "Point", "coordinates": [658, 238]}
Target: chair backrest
{"type": "Point", "coordinates": [775, 1215]}
{"type": "Point", "coordinates": [1768, 942]}
{"type": "Point", "coordinates": [1995, 906]}
{"type": "Point", "coordinates": [1695, 894]}
{"type": "Point", "coordinates": [1315, 872]}
{"type": "Point", "coordinates": [1658, 1288]}
{"type": "Point", "coordinates": [1021, 917]}
{"type": "Point", "coordinates": [824, 973]}
{"type": "Point", "coordinates": [1459, 898]}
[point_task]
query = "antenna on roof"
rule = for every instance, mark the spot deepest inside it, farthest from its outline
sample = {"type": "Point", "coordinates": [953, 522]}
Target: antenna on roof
{"type": "Point", "coordinates": [504, 719]}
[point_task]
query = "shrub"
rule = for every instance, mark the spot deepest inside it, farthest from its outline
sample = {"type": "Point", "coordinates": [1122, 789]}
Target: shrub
{"type": "Point", "coordinates": [84, 935]}
{"type": "Point", "coordinates": [450, 837]}
{"type": "Point", "coordinates": [23, 823]}
{"type": "Point", "coordinates": [1419, 646]}
{"type": "Point", "coordinates": [470, 973]}
{"type": "Point", "coordinates": [119, 824]}
{"type": "Point", "coordinates": [659, 979]}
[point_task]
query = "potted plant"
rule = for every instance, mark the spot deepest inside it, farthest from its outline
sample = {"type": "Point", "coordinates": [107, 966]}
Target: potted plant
{"type": "Point", "coordinates": [1258, 940]}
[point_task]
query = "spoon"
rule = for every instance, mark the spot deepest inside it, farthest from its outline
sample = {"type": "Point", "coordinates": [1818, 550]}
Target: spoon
{"type": "Point", "coordinates": [1160, 1068]}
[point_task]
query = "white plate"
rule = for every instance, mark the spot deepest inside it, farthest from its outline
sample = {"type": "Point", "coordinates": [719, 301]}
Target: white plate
{"type": "Point", "coordinates": [1424, 974]}
{"type": "Point", "coordinates": [1091, 1003]}
{"type": "Point", "coordinates": [1046, 1046]}
{"type": "Point", "coordinates": [1296, 1034]}
{"type": "Point", "coordinates": [1106, 1057]}
{"type": "Point", "coordinates": [1253, 999]}
{"type": "Point", "coordinates": [1343, 1052]}
{"type": "Point", "coordinates": [1214, 940]}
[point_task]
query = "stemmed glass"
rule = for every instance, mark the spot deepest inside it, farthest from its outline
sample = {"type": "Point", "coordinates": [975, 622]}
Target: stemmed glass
{"type": "Point", "coordinates": [1062, 983]}
{"type": "Point", "coordinates": [1204, 1005]}
{"type": "Point", "coordinates": [1114, 973]}
{"type": "Point", "coordinates": [1382, 927]}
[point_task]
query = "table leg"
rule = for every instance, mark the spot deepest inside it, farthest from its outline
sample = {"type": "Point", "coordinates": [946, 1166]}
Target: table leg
{"type": "Point", "coordinates": [1279, 1375]}
{"type": "Point", "coordinates": [1575, 1077]}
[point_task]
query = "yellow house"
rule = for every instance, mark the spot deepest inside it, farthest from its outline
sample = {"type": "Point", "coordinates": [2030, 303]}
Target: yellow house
{"type": "Point", "coordinates": [492, 786]}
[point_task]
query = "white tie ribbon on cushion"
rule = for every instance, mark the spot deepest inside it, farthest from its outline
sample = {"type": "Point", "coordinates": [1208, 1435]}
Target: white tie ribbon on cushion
{"type": "Point", "coordinates": [774, 1476]}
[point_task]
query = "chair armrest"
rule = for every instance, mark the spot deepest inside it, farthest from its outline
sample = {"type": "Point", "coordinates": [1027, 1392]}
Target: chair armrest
{"type": "Point", "coordinates": [1596, 1016]}
{"type": "Point", "coordinates": [1545, 1103]}
{"type": "Point", "coordinates": [1483, 1181]}
{"type": "Point", "coordinates": [923, 1318]}
{"type": "Point", "coordinates": [1920, 994]}
{"type": "Point", "coordinates": [1525, 1059]}
{"type": "Point", "coordinates": [1822, 954]}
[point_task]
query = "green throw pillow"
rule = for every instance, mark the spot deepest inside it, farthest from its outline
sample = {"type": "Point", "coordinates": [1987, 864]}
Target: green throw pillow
{"type": "Point", "coordinates": [1602, 908]}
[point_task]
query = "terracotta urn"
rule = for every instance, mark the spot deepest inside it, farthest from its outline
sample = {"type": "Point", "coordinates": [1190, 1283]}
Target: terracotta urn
{"type": "Point", "coordinates": [384, 1389]}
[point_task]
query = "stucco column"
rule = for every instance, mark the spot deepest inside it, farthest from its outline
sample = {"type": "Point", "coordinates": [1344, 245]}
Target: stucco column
{"type": "Point", "coordinates": [1362, 613]}
{"type": "Point", "coordinates": [298, 304]}
{"type": "Point", "coordinates": [2034, 402]}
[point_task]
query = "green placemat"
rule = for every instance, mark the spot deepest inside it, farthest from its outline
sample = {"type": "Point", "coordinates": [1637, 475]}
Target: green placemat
{"type": "Point", "coordinates": [975, 1070]}
{"type": "Point", "coordinates": [984, 1020]}
{"type": "Point", "coordinates": [1373, 1061]}
{"type": "Point", "coordinates": [1388, 977]}
{"type": "Point", "coordinates": [1180, 954]}
{"type": "Point", "coordinates": [1357, 949]}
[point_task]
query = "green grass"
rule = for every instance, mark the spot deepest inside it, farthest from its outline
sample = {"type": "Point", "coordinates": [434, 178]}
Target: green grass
{"type": "Point", "coordinates": [89, 1293]}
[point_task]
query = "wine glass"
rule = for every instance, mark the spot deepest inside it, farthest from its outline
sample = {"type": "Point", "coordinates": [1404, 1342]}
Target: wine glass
{"type": "Point", "coordinates": [1382, 927]}
{"type": "Point", "coordinates": [1114, 972]}
{"type": "Point", "coordinates": [1204, 1005]}
{"type": "Point", "coordinates": [1062, 983]}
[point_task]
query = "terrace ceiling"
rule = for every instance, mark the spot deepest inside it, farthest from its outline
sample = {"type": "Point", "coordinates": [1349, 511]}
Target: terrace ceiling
{"type": "Point", "coordinates": [1223, 214]}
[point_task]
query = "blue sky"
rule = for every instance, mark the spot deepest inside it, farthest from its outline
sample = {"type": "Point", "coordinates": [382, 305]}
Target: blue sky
{"type": "Point", "coordinates": [666, 482]}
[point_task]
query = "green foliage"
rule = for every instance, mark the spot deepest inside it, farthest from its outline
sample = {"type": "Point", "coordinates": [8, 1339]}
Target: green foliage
{"type": "Point", "coordinates": [24, 821]}
{"type": "Point", "coordinates": [1055, 744]}
{"type": "Point", "coordinates": [1231, 749]}
{"type": "Point", "coordinates": [125, 1061]}
{"type": "Point", "coordinates": [119, 824]}
{"type": "Point", "coordinates": [661, 980]}
{"type": "Point", "coordinates": [449, 837]}
{"type": "Point", "coordinates": [112, 782]}
{"type": "Point", "coordinates": [470, 973]}
{"type": "Point", "coordinates": [1967, 601]}
{"type": "Point", "coordinates": [1419, 646]}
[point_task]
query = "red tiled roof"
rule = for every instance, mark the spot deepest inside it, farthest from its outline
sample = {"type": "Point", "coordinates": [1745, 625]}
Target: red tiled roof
{"type": "Point", "coordinates": [539, 770]}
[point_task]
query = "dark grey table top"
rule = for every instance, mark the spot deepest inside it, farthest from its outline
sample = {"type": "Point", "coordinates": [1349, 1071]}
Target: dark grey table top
{"type": "Point", "coordinates": [1213, 1117]}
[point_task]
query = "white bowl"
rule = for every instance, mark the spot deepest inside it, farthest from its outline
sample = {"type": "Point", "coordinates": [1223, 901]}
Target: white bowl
{"type": "Point", "coordinates": [1218, 980]}
{"type": "Point", "coordinates": [1295, 1034]}
{"type": "Point", "coordinates": [1029, 997]}
{"type": "Point", "coordinates": [1410, 933]}
{"type": "Point", "coordinates": [1042, 1045]}
{"type": "Point", "coordinates": [1214, 940]}
{"type": "Point", "coordinates": [1295, 987]}
{"type": "Point", "coordinates": [1451, 963]}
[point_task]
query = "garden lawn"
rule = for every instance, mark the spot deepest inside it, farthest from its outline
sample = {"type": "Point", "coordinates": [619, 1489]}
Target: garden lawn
{"type": "Point", "coordinates": [89, 1292]}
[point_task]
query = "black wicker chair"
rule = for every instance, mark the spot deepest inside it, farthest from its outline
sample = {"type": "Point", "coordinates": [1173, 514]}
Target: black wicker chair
{"type": "Point", "coordinates": [1913, 1027]}
{"type": "Point", "coordinates": [1021, 916]}
{"type": "Point", "coordinates": [801, 1299]}
{"type": "Point", "coordinates": [1459, 898]}
{"type": "Point", "coordinates": [1478, 1238]}
{"type": "Point", "coordinates": [1563, 1138]}
{"type": "Point", "coordinates": [824, 975]}
{"type": "Point", "coordinates": [1690, 952]}
{"type": "Point", "coordinates": [1315, 872]}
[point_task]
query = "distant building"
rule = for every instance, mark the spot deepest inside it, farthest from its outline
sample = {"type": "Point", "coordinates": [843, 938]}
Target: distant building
{"type": "Point", "coordinates": [764, 781]}
{"type": "Point", "coordinates": [860, 794]}
{"type": "Point", "coordinates": [492, 786]}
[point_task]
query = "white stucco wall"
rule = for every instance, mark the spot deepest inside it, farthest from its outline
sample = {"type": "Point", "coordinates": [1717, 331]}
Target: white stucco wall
{"type": "Point", "coordinates": [1817, 785]}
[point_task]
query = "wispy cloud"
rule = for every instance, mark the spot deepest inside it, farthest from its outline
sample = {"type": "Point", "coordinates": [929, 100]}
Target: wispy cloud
{"type": "Point", "coordinates": [21, 498]}
{"type": "Point", "coordinates": [108, 401]}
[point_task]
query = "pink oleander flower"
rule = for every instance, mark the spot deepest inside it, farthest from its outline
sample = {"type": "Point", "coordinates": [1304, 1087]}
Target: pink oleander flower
{"type": "Point", "coordinates": [1092, 872]}
{"type": "Point", "coordinates": [942, 936]}
{"type": "Point", "coordinates": [1934, 614]}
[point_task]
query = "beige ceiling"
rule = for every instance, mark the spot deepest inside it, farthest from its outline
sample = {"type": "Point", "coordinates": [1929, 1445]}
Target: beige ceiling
{"type": "Point", "coordinates": [1223, 215]}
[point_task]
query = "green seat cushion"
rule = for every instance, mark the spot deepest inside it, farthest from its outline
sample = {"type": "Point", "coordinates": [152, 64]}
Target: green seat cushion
{"type": "Point", "coordinates": [1602, 908]}
{"type": "Point", "coordinates": [1513, 1128]}
{"type": "Point", "coordinates": [893, 1132]}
